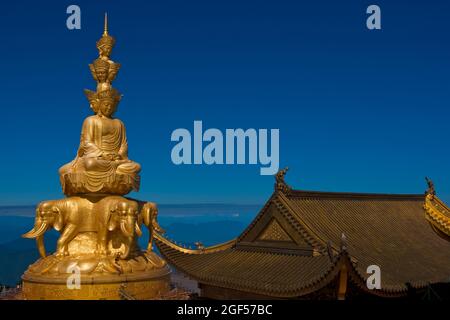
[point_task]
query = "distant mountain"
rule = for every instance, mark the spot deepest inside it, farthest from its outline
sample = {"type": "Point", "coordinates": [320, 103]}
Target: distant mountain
{"type": "Point", "coordinates": [23, 211]}
{"type": "Point", "coordinates": [165, 209]}
{"type": "Point", "coordinates": [17, 254]}
{"type": "Point", "coordinates": [12, 227]}
{"type": "Point", "coordinates": [209, 233]}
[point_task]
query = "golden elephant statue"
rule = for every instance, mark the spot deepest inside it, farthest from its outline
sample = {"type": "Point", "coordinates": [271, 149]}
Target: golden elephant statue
{"type": "Point", "coordinates": [117, 213]}
{"type": "Point", "coordinates": [68, 216]}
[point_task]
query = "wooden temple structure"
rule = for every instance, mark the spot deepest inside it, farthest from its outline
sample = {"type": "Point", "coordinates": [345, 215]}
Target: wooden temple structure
{"type": "Point", "coordinates": [318, 245]}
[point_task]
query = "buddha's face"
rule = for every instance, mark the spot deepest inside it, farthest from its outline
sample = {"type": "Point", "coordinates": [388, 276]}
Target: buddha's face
{"type": "Point", "coordinates": [107, 107]}
{"type": "Point", "coordinates": [105, 50]}
{"type": "Point", "coordinates": [102, 75]}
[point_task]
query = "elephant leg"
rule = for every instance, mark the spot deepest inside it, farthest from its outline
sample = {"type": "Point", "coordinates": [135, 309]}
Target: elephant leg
{"type": "Point", "coordinates": [63, 241]}
{"type": "Point", "coordinates": [102, 242]}
{"type": "Point", "coordinates": [150, 241]}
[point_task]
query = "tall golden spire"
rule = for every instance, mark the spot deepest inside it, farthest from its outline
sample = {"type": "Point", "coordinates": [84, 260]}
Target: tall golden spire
{"type": "Point", "coordinates": [106, 42]}
{"type": "Point", "coordinates": [105, 31]}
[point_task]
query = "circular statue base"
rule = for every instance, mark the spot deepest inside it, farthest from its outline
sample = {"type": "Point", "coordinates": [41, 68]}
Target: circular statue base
{"type": "Point", "coordinates": [142, 286]}
{"type": "Point", "coordinates": [143, 280]}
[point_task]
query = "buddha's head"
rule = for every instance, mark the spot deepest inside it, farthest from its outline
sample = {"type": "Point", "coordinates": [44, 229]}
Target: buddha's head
{"type": "Point", "coordinates": [108, 101]}
{"type": "Point", "coordinates": [104, 103]}
{"type": "Point", "coordinates": [104, 49]}
{"type": "Point", "coordinates": [106, 42]}
{"type": "Point", "coordinates": [107, 107]}
{"type": "Point", "coordinates": [100, 70]}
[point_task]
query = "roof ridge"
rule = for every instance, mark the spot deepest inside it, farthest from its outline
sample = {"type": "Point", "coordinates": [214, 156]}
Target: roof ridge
{"type": "Point", "coordinates": [204, 250]}
{"type": "Point", "coordinates": [331, 194]}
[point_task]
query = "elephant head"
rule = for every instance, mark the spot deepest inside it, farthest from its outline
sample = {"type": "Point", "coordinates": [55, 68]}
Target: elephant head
{"type": "Point", "coordinates": [48, 215]}
{"type": "Point", "coordinates": [149, 215]}
{"type": "Point", "coordinates": [124, 214]}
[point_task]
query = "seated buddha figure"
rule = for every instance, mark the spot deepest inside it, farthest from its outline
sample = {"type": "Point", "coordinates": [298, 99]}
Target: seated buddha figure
{"type": "Point", "coordinates": [101, 164]}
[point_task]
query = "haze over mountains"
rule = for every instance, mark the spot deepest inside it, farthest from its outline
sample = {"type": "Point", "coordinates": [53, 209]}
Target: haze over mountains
{"type": "Point", "coordinates": [208, 223]}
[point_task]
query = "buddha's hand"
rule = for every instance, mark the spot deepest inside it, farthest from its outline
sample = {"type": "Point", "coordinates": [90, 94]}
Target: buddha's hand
{"type": "Point", "coordinates": [117, 157]}
{"type": "Point", "coordinates": [106, 156]}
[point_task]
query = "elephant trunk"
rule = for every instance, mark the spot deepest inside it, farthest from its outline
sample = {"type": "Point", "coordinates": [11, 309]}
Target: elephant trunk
{"type": "Point", "coordinates": [127, 228]}
{"type": "Point", "coordinates": [41, 246]}
{"type": "Point", "coordinates": [126, 253]}
{"type": "Point", "coordinates": [137, 229]}
{"type": "Point", "coordinates": [130, 229]}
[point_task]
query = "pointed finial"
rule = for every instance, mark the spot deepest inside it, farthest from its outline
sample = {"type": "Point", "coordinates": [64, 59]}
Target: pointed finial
{"type": "Point", "coordinates": [105, 31]}
{"type": "Point", "coordinates": [431, 190]}
{"type": "Point", "coordinates": [280, 184]}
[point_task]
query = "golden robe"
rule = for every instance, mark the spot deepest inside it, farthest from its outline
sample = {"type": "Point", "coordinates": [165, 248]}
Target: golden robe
{"type": "Point", "coordinates": [100, 137]}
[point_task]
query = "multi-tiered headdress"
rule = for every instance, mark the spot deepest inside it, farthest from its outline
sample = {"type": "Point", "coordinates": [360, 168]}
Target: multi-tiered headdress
{"type": "Point", "coordinates": [104, 71]}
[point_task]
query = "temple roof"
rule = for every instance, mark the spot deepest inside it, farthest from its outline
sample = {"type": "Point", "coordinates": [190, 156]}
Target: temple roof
{"type": "Point", "coordinates": [270, 274]}
{"type": "Point", "coordinates": [438, 215]}
{"type": "Point", "coordinates": [294, 245]}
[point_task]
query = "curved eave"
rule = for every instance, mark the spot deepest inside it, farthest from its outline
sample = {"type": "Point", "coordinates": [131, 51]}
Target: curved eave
{"type": "Point", "coordinates": [211, 249]}
{"type": "Point", "coordinates": [170, 251]}
{"type": "Point", "coordinates": [438, 215]}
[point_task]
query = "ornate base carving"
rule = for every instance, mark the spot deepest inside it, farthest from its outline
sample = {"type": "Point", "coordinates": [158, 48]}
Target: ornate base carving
{"type": "Point", "coordinates": [146, 276]}
{"type": "Point", "coordinates": [116, 184]}
{"type": "Point", "coordinates": [144, 285]}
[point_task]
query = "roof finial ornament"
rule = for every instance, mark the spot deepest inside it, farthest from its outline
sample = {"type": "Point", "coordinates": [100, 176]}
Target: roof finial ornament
{"type": "Point", "coordinates": [431, 190]}
{"type": "Point", "coordinates": [199, 245]}
{"type": "Point", "coordinates": [280, 184]}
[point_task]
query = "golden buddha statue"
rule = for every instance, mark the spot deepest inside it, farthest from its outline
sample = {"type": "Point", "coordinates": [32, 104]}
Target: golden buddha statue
{"type": "Point", "coordinates": [102, 163]}
{"type": "Point", "coordinates": [99, 227]}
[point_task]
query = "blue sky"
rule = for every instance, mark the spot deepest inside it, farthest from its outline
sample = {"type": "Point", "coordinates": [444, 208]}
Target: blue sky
{"type": "Point", "coordinates": [358, 110]}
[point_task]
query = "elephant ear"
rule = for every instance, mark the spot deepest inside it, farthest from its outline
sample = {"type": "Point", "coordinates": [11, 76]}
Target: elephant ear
{"type": "Point", "coordinates": [111, 221]}
{"type": "Point", "coordinates": [59, 223]}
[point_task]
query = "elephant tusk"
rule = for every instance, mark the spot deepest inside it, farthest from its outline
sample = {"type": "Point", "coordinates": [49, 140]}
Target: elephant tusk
{"type": "Point", "coordinates": [138, 230]}
{"type": "Point", "coordinates": [36, 233]}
